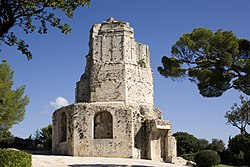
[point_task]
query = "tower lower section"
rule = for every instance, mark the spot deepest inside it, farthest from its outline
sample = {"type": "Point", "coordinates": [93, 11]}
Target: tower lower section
{"type": "Point", "coordinates": [115, 130]}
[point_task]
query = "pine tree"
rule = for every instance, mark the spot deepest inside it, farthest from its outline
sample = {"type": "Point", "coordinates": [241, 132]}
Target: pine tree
{"type": "Point", "coordinates": [239, 115]}
{"type": "Point", "coordinates": [214, 61]}
{"type": "Point", "coordinates": [12, 102]}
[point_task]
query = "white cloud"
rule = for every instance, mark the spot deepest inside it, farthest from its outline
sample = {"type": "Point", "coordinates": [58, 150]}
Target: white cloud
{"type": "Point", "coordinates": [59, 102]}
{"type": "Point", "coordinates": [53, 105]}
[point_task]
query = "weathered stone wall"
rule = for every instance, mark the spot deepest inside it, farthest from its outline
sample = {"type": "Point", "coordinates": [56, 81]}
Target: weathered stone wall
{"type": "Point", "coordinates": [114, 113]}
{"type": "Point", "coordinates": [171, 150]}
{"type": "Point", "coordinates": [63, 147]}
{"type": "Point", "coordinates": [138, 131]}
{"type": "Point", "coordinates": [139, 85]}
{"type": "Point", "coordinates": [84, 142]}
{"type": "Point", "coordinates": [107, 82]}
{"type": "Point", "coordinates": [82, 91]}
{"type": "Point", "coordinates": [118, 68]}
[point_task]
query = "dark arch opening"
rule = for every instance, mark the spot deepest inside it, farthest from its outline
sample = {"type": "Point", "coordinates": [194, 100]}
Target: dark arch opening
{"type": "Point", "coordinates": [103, 126]}
{"type": "Point", "coordinates": [63, 128]}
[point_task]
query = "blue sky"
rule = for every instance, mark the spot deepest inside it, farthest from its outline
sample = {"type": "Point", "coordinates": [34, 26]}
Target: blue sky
{"type": "Point", "coordinates": [59, 60]}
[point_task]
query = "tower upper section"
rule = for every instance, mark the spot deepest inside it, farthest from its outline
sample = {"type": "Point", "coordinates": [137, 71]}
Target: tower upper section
{"type": "Point", "coordinates": [118, 67]}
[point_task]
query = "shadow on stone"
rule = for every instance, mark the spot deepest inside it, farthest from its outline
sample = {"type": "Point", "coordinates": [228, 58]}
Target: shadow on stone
{"type": "Point", "coordinates": [106, 165]}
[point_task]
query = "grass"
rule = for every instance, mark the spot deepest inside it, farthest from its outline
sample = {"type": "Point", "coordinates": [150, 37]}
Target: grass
{"type": "Point", "coordinates": [224, 165]}
{"type": "Point", "coordinates": [221, 165]}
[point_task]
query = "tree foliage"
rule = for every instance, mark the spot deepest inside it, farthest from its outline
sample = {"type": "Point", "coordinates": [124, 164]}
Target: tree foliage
{"type": "Point", "coordinates": [46, 136]}
{"type": "Point", "coordinates": [238, 147]}
{"type": "Point", "coordinates": [185, 143]}
{"type": "Point", "coordinates": [33, 16]}
{"type": "Point", "coordinates": [12, 102]}
{"type": "Point", "coordinates": [215, 62]}
{"type": "Point", "coordinates": [217, 145]}
{"type": "Point", "coordinates": [17, 142]}
{"type": "Point", "coordinates": [188, 145]}
{"type": "Point", "coordinates": [201, 144]}
{"type": "Point", "coordinates": [239, 115]}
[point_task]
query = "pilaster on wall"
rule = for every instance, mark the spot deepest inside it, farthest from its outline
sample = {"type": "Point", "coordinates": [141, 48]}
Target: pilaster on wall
{"type": "Point", "coordinates": [171, 148]}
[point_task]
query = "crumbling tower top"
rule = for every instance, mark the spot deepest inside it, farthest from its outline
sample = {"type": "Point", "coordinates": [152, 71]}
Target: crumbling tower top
{"type": "Point", "coordinates": [118, 67]}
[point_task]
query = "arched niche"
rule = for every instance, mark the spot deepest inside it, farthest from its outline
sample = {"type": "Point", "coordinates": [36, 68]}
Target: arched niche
{"type": "Point", "coordinates": [103, 125]}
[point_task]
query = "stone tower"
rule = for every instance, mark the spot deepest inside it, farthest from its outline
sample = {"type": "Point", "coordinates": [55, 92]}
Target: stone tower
{"type": "Point", "coordinates": [114, 114]}
{"type": "Point", "coordinates": [118, 68]}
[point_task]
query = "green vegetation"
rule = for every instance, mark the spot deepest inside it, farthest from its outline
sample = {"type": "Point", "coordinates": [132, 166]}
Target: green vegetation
{"type": "Point", "coordinates": [41, 141]}
{"type": "Point", "coordinates": [18, 143]}
{"type": "Point", "coordinates": [206, 158]}
{"type": "Point", "coordinates": [239, 151]}
{"type": "Point", "coordinates": [189, 156]}
{"type": "Point", "coordinates": [217, 145]}
{"type": "Point", "coordinates": [185, 143]}
{"type": "Point", "coordinates": [142, 63]}
{"type": "Point", "coordinates": [221, 165]}
{"type": "Point", "coordinates": [46, 137]}
{"type": "Point", "coordinates": [216, 62]}
{"type": "Point", "coordinates": [12, 102]}
{"type": "Point", "coordinates": [239, 115]}
{"type": "Point", "coordinates": [188, 144]}
{"type": "Point", "coordinates": [34, 16]}
{"type": "Point", "coordinates": [14, 158]}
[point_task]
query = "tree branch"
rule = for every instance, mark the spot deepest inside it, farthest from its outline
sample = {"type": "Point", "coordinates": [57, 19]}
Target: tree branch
{"type": "Point", "coordinates": [9, 21]}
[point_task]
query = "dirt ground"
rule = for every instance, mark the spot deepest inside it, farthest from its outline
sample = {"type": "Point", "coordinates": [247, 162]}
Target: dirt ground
{"type": "Point", "coordinates": [69, 161]}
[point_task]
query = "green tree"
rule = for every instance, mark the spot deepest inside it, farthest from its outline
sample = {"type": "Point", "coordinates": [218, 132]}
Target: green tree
{"type": "Point", "coordinates": [33, 16]}
{"type": "Point", "coordinates": [37, 135]}
{"type": "Point", "coordinates": [185, 143]}
{"type": "Point", "coordinates": [12, 102]}
{"type": "Point", "coordinates": [46, 136]}
{"type": "Point", "coordinates": [217, 145]}
{"type": "Point", "coordinates": [215, 62]}
{"type": "Point", "coordinates": [238, 147]}
{"type": "Point", "coordinates": [4, 133]}
{"type": "Point", "coordinates": [201, 144]}
{"type": "Point", "coordinates": [239, 115]}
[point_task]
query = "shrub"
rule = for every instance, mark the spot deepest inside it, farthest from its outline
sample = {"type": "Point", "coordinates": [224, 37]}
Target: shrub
{"type": "Point", "coordinates": [189, 157]}
{"type": "Point", "coordinates": [14, 158]}
{"type": "Point", "coordinates": [206, 158]}
{"type": "Point", "coordinates": [16, 142]}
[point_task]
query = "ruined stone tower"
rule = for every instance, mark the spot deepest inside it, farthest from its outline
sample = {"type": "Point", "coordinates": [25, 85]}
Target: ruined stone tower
{"type": "Point", "coordinates": [114, 114]}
